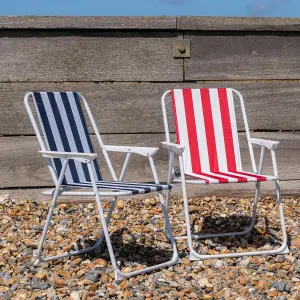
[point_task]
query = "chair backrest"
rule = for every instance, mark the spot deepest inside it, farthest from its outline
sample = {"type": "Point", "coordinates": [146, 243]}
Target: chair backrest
{"type": "Point", "coordinates": [64, 129]}
{"type": "Point", "coordinates": [205, 122]}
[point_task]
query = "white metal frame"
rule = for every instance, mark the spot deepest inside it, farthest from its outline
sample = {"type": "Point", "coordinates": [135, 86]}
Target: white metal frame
{"type": "Point", "coordinates": [67, 191]}
{"type": "Point", "coordinates": [179, 150]}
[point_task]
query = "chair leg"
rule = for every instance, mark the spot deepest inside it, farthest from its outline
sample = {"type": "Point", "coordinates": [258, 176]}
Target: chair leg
{"type": "Point", "coordinates": [175, 258]}
{"type": "Point", "coordinates": [105, 234]}
{"type": "Point", "coordinates": [281, 214]}
{"type": "Point", "coordinates": [244, 232]}
{"type": "Point", "coordinates": [119, 275]}
{"type": "Point", "coordinates": [111, 209]}
{"type": "Point", "coordinates": [281, 250]}
{"type": "Point", "coordinates": [171, 158]}
{"type": "Point", "coordinates": [39, 257]}
{"type": "Point", "coordinates": [165, 229]}
{"type": "Point", "coordinates": [50, 213]}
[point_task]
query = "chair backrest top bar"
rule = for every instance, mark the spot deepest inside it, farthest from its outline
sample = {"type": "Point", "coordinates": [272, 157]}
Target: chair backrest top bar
{"type": "Point", "coordinates": [206, 125]}
{"type": "Point", "coordinates": [64, 128]}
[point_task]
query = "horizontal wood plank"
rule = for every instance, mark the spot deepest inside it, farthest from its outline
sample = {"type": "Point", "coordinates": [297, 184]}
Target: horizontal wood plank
{"type": "Point", "coordinates": [22, 166]}
{"type": "Point", "coordinates": [137, 22]}
{"type": "Point", "coordinates": [136, 108]}
{"type": "Point", "coordinates": [99, 22]}
{"type": "Point", "coordinates": [237, 24]}
{"type": "Point", "coordinates": [33, 56]}
{"type": "Point", "coordinates": [238, 56]}
{"type": "Point", "coordinates": [270, 105]}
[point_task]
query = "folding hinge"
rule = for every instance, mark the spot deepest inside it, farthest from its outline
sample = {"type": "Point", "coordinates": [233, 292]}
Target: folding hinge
{"type": "Point", "coordinates": [181, 48]}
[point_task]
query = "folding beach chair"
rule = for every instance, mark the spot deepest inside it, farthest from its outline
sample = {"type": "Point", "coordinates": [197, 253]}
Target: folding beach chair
{"type": "Point", "coordinates": [66, 145]}
{"type": "Point", "coordinates": [209, 153]}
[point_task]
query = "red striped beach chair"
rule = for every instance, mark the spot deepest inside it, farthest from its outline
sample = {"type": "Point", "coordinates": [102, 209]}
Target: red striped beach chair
{"type": "Point", "coordinates": [66, 145]}
{"type": "Point", "coordinates": [209, 153]}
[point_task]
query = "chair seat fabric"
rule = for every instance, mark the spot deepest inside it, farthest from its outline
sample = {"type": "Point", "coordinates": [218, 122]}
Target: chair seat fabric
{"type": "Point", "coordinates": [231, 177]}
{"type": "Point", "coordinates": [134, 187]}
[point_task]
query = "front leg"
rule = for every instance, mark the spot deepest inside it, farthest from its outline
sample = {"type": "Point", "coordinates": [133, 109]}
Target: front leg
{"type": "Point", "coordinates": [170, 174]}
{"type": "Point", "coordinates": [50, 213]}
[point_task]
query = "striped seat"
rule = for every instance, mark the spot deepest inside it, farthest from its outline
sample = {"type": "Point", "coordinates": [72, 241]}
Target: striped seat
{"type": "Point", "coordinates": [205, 124]}
{"type": "Point", "coordinates": [134, 188]}
{"type": "Point", "coordinates": [65, 130]}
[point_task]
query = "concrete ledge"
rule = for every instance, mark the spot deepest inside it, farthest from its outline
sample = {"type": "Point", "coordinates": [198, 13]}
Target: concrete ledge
{"type": "Point", "coordinates": [120, 23]}
{"type": "Point", "coordinates": [154, 23]}
{"type": "Point", "coordinates": [238, 24]}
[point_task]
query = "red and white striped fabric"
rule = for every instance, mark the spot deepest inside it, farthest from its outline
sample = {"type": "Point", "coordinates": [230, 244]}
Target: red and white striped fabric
{"type": "Point", "coordinates": [206, 125]}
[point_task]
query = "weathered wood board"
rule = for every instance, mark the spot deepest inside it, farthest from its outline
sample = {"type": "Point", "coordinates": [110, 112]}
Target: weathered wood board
{"type": "Point", "coordinates": [243, 56]}
{"type": "Point", "coordinates": [136, 107]}
{"type": "Point", "coordinates": [237, 24]}
{"type": "Point", "coordinates": [124, 64]}
{"type": "Point", "coordinates": [87, 56]}
{"type": "Point", "coordinates": [142, 23]}
{"type": "Point", "coordinates": [22, 166]}
{"type": "Point", "coordinates": [99, 22]}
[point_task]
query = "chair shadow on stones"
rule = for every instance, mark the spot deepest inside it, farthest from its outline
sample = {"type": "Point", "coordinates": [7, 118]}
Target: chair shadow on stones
{"type": "Point", "coordinates": [130, 251]}
{"type": "Point", "coordinates": [267, 235]}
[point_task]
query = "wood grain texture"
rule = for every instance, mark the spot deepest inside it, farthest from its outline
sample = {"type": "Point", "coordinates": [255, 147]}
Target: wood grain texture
{"type": "Point", "coordinates": [238, 56]}
{"type": "Point", "coordinates": [68, 22]}
{"type": "Point", "coordinates": [33, 56]}
{"type": "Point", "coordinates": [22, 166]}
{"type": "Point", "coordinates": [237, 24]}
{"type": "Point", "coordinates": [136, 108]}
{"type": "Point", "coordinates": [179, 23]}
{"type": "Point", "coordinates": [117, 107]}
{"type": "Point", "coordinates": [270, 105]}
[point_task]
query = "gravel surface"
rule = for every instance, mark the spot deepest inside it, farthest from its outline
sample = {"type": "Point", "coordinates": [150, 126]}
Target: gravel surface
{"type": "Point", "coordinates": [136, 228]}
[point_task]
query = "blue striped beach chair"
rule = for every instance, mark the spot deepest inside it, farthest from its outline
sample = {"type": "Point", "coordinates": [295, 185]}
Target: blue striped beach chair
{"type": "Point", "coordinates": [66, 145]}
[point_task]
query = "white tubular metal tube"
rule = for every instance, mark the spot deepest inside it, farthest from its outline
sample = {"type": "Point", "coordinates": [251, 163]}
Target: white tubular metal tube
{"type": "Point", "coordinates": [102, 217]}
{"type": "Point", "coordinates": [186, 203]}
{"type": "Point", "coordinates": [170, 171]}
{"type": "Point", "coordinates": [52, 206]}
{"type": "Point", "coordinates": [273, 155]}
{"type": "Point", "coordinates": [49, 161]}
{"type": "Point", "coordinates": [247, 130]}
{"type": "Point", "coordinates": [101, 144]}
{"type": "Point", "coordinates": [153, 169]}
{"type": "Point", "coordinates": [126, 162]}
{"type": "Point", "coordinates": [163, 104]}
{"type": "Point", "coordinates": [261, 160]}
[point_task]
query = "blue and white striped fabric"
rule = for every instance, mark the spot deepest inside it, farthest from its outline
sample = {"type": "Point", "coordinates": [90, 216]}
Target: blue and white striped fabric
{"type": "Point", "coordinates": [65, 130]}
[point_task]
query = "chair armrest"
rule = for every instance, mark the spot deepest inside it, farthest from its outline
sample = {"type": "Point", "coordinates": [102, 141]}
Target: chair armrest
{"type": "Point", "coordinates": [173, 147]}
{"type": "Point", "coordinates": [82, 157]}
{"type": "Point", "coordinates": [271, 145]}
{"type": "Point", "coordinates": [144, 151]}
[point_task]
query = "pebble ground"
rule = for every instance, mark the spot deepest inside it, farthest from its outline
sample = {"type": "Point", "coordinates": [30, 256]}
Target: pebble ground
{"type": "Point", "coordinates": [137, 236]}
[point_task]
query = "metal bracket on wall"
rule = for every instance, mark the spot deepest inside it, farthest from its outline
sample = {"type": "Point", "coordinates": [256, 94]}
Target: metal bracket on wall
{"type": "Point", "coordinates": [181, 48]}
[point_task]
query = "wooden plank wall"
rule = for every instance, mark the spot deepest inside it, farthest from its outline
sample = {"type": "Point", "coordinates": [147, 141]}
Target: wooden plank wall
{"type": "Point", "coordinates": [122, 65]}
